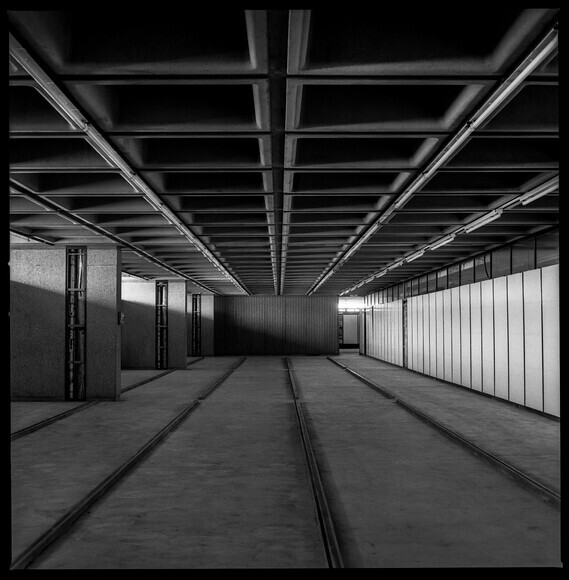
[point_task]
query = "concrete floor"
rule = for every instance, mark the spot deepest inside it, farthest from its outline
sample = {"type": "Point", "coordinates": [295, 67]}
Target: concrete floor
{"type": "Point", "coordinates": [494, 425]}
{"type": "Point", "coordinates": [228, 488]}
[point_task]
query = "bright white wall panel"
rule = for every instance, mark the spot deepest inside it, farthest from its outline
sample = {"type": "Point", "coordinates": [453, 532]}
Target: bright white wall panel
{"type": "Point", "coordinates": [411, 345]}
{"type": "Point", "coordinates": [440, 350]}
{"type": "Point", "coordinates": [432, 335]}
{"type": "Point", "coordinates": [420, 336]}
{"type": "Point", "coordinates": [465, 335]}
{"type": "Point", "coordinates": [533, 355]}
{"type": "Point", "coordinates": [426, 340]}
{"type": "Point", "coordinates": [456, 336]}
{"type": "Point", "coordinates": [501, 351]}
{"type": "Point", "coordinates": [516, 338]}
{"type": "Point", "coordinates": [551, 360]}
{"type": "Point", "coordinates": [475, 337]}
{"type": "Point", "coordinates": [447, 332]}
{"type": "Point", "coordinates": [399, 333]}
{"type": "Point", "coordinates": [487, 306]}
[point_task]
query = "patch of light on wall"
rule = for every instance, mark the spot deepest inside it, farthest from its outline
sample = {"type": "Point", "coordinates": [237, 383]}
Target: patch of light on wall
{"type": "Point", "coordinates": [353, 303]}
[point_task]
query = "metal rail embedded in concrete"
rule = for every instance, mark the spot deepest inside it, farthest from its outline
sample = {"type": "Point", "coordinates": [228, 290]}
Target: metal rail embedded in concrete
{"type": "Point", "coordinates": [522, 478]}
{"type": "Point", "coordinates": [144, 381]}
{"type": "Point", "coordinates": [50, 420]}
{"type": "Point", "coordinates": [57, 530]}
{"type": "Point", "coordinates": [333, 554]}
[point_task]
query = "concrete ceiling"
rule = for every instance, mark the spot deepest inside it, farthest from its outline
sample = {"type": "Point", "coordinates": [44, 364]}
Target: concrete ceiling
{"type": "Point", "coordinates": [282, 151]}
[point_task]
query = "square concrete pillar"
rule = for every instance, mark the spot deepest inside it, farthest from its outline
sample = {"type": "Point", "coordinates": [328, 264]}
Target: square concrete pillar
{"type": "Point", "coordinates": [206, 324]}
{"type": "Point", "coordinates": [103, 328]}
{"type": "Point", "coordinates": [139, 329]}
{"type": "Point", "coordinates": [177, 324]}
{"type": "Point", "coordinates": [38, 323]}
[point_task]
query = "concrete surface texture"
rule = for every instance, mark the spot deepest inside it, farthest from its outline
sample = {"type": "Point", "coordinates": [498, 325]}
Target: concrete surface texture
{"type": "Point", "coordinates": [103, 336]}
{"type": "Point", "coordinates": [494, 425]}
{"type": "Point", "coordinates": [229, 487]}
{"type": "Point", "coordinates": [138, 331]}
{"type": "Point", "coordinates": [37, 323]}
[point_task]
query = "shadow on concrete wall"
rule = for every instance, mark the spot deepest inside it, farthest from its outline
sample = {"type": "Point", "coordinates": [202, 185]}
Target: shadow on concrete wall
{"type": "Point", "coordinates": [138, 337]}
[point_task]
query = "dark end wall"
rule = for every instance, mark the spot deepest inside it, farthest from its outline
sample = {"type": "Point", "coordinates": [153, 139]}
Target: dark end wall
{"type": "Point", "coordinates": [257, 325]}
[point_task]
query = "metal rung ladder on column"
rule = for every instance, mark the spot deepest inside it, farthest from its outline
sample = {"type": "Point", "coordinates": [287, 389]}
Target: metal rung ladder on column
{"type": "Point", "coordinates": [161, 324]}
{"type": "Point", "coordinates": [196, 324]}
{"type": "Point", "coordinates": [75, 329]}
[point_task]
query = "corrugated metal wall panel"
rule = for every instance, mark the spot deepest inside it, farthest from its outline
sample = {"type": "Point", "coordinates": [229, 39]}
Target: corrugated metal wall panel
{"type": "Point", "coordinates": [487, 306]}
{"type": "Point", "coordinates": [551, 330]}
{"type": "Point", "coordinates": [516, 338]}
{"type": "Point", "coordinates": [533, 347]}
{"type": "Point", "coordinates": [276, 325]}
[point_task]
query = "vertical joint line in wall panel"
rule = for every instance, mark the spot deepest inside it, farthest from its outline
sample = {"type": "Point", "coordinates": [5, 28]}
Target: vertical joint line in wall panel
{"type": "Point", "coordinates": [429, 332]}
{"type": "Point", "coordinates": [442, 317]}
{"type": "Point", "coordinates": [460, 331]}
{"type": "Point", "coordinates": [493, 339]}
{"type": "Point", "coordinates": [542, 341]}
{"type": "Point", "coordinates": [470, 329]}
{"type": "Point", "coordinates": [451, 340]}
{"type": "Point", "coordinates": [524, 334]}
{"type": "Point", "coordinates": [508, 332]}
{"type": "Point", "coordinates": [481, 342]}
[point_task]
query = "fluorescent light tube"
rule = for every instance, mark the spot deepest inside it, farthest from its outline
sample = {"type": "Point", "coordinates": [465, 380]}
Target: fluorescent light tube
{"type": "Point", "coordinates": [484, 220]}
{"type": "Point", "coordinates": [415, 256]}
{"type": "Point", "coordinates": [442, 241]}
{"type": "Point", "coordinates": [540, 191]}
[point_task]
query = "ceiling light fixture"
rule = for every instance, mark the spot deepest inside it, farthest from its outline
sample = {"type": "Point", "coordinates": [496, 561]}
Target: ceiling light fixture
{"type": "Point", "coordinates": [540, 191]}
{"type": "Point", "coordinates": [442, 242]}
{"type": "Point", "coordinates": [415, 256]}
{"type": "Point", "coordinates": [543, 50]}
{"type": "Point", "coordinates": [484, 220]}
{"type": "Point", "coordinates": [64, 105]}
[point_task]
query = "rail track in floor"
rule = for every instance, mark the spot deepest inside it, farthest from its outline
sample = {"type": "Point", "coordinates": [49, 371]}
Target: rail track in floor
{"type": "Point", "coordinates": [71, 516]}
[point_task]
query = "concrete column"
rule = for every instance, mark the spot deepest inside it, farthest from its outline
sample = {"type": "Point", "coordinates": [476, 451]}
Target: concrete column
{"type": "Point", "coordinates": [37, 323]}
{"type": "Point", "coordinates": [177, 324]}
{"type": "Point", "coordinates": [139, 329]}
{"type": "Point", "coordinates": [207, 325]}
{"type": "Point", "coordinates": [103, 328]}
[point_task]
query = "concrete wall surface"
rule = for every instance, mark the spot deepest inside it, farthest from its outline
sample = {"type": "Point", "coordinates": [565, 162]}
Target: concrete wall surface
{"type": "Point", "coordinates": [139, 328]}
{"type": "Point", "coordinates": [37, 323]}
{"type": "Point", "coordinates": [103, 330]}
{"type": "Point", "coordinates": [207, 324]}
{"type": "Point", "coordinates": [499, 336]}
{"type": "Point", "coordinates": [138, 331]}
{"type": "Point", "coordinates": [177, 324]}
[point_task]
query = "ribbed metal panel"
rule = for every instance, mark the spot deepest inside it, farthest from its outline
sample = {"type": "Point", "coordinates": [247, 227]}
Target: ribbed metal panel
{"type": "Point", "coordinates": [250, 325]}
